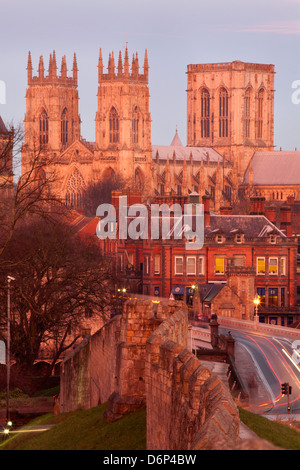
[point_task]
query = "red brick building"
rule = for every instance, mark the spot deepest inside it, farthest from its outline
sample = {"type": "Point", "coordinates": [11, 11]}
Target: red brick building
{"type": "Point", "coordinates": [247, 253]}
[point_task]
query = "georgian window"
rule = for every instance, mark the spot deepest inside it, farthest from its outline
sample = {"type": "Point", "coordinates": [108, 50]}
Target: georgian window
{"type": "Point", "coordinates": [178, 265]}
{"type": "Point", "coordinates": [191, 265]}
{"type": "Point", "coordinates": [64, 127]}
{"type": "Point", "coordinates": [205, 113]}
{"type": "Point", "coordinates": [75, 187]}
{"type": "Point", "coordinates": [223, 113]}
{"type": "Point", "coordinates": [113, 126]}
{"type": "Point", "coordinates": [44, 128]}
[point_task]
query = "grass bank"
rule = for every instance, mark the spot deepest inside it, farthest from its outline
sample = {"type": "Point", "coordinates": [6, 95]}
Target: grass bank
{"type": "Point", "coordinates": [83, 430]}
{"type": "Point", "coordinates": [281, 435]}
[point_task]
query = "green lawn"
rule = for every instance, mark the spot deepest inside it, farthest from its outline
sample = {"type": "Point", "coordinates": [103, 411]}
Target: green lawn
{"type": "Point", "coordinates": [281, 435]}
{"type": "Point", "coordinates": [83, 430]}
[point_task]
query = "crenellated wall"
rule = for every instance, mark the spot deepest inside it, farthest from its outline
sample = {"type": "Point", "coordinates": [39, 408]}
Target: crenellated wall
{"type": "Point", "coordinates": [187, 406]}
{"type": "Point", "coordinates": [142, 357]}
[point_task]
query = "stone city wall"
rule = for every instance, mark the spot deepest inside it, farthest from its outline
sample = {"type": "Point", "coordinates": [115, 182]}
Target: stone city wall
{"type": "Point", "coordinates": [142, 357]}
{"type": "Point", "coordinates": [187, 406]}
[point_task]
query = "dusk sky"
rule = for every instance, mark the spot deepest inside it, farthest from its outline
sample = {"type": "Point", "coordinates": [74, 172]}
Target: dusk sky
{"type": "Point", "coordinates": [175, 33]}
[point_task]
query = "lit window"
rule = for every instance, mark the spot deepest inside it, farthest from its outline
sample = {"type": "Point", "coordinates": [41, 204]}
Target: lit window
{"type": "Point", "coordinates": [191, 265]}
{"type": "Point", "coordinates": [273, 266]}
{"type": "Point", "coordinates": [219, 265]}
{"type": "Point", "coordinates": [178, 265]}
{"type": "Point", "coordinates": [260, 266]}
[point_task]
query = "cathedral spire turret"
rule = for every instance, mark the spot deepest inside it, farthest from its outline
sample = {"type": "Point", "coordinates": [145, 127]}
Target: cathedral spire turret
{"type": "Point", "coordinates": [146, 65]}
{"type": "Point", "coordinates": [63, 69]}
{"type": "Point", "coordinates": [41, 68]}
{"type": "Point", "coordinates": [75, 70]}
{"type": "Point", "coordinates": [54, 66]}
{"type": "Point", "coordinates": [126, 64]}
{"type": "Point", "coordinates": [29, 68]}
{"type": "Point", "coordinates": [100, 66]}
{"type": "Point", "coordinates": [120, 65]}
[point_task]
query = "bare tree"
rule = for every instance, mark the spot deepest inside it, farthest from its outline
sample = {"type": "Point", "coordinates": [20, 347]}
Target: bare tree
{"type": "Point", "coordinates": [59, 276]}
{"type": "Point", "coordinates": [100, 193]}
{"type": "Point", "coordinates": [23, 191]}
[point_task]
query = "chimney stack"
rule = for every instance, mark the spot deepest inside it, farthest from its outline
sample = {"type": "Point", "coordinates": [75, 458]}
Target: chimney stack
{"type": "Point", "coordinates": [257, 205]}
{"type": "Point", "coordinates": [285, 220]}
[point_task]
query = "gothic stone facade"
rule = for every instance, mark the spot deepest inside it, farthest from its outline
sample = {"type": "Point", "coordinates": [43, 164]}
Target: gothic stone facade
{"type": "Point", "coordinates": [229, 116]}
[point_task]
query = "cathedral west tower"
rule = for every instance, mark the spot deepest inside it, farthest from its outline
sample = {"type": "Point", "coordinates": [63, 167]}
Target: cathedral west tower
{"type": "Point", "coordinates": [123, 122]}
{"type": "Point", "coordinates": [230, 107]}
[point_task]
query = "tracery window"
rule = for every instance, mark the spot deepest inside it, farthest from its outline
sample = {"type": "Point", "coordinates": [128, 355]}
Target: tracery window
{"type": "Point", "coordinates": [260, 106]}
{"type": "Point", "coordinates": [138, 179]}
{"type": "Point", "coordinates": [223, 113]}
{"type": "Point", "coordinates": [247, 112]}
{"type": "Point", "coordinates": [205, 113]}
{"type": "Point", "coordinates": [113, 126]}
{"type": "Point", "coordinates": [44, 128]}
{"type": "Point", "coordinates": [135, 126]}
{"type": "Point", "coordinates": [74, 191]}
{"type": "Point", "coordinates": [64, 127]}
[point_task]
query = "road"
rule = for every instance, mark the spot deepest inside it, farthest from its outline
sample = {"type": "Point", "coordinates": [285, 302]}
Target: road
{"type": "Point", "coordinates": [265, 362]}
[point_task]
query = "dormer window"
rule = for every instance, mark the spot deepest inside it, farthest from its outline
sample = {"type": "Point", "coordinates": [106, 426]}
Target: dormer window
{"type": "Point", "coordinates": [239, 238]}
{"type": "Point", "coordinates": [219, 238]}
{"type": "Point", "coordinates": [273, 239]}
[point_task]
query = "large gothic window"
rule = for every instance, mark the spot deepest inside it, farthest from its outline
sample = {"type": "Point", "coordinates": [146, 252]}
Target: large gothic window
{"type": "Point", "coordinates": [113, 126]}
{"type": "Point", "coordinates": [74, 192]}
{"type": "Point", "coordinates": [138, 179]}
{"type": "Point", "coordinates": [135, 126]}
{"type": "Point", "coordinates": [44, 128]}
{"type": "Point", "coordinates": [64, 127]}
{"type": "Point", "coordinates": [205, 113]}
{"type": "Point", "coordinates": [223, 113]}
{"type": "Point", "coordinates": [260, 108]}
{"type": "Point", "coordinates": [247, 112]}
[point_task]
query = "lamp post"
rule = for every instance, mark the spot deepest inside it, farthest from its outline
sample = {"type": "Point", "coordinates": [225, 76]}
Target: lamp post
{"type": "Point", "coordinates": [9, 279]}
{"type": "Point", "coordinates": [256, 302]}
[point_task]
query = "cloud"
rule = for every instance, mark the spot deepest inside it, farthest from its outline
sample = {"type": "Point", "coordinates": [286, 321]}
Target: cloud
{"type": "Point", "coordinates": [277, 27]}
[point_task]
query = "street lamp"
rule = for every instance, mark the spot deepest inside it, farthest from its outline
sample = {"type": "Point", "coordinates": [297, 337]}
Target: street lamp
{"type": "Point", "coordinates": [256, 302]}
{"type": "Point", "coordinates": [9, 279]}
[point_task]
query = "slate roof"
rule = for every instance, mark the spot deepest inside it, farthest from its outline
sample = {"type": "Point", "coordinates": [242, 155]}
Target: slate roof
{"type": "Point", "coordinates": [209, 291]}
{"type": "Point", "coordinates": [274, 168]}
{"type": "Point", "coordinates": [252, 226]}
{"type": "Point", "coordinates": [181, 151]}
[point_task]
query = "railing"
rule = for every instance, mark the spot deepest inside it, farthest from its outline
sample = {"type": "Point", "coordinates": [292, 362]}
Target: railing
{"type": "Point", "coordinates": [255, 325]}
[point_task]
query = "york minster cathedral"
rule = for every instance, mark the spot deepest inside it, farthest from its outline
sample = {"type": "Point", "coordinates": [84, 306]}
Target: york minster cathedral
{"type": "Point", "coordinates": [230, 118]}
